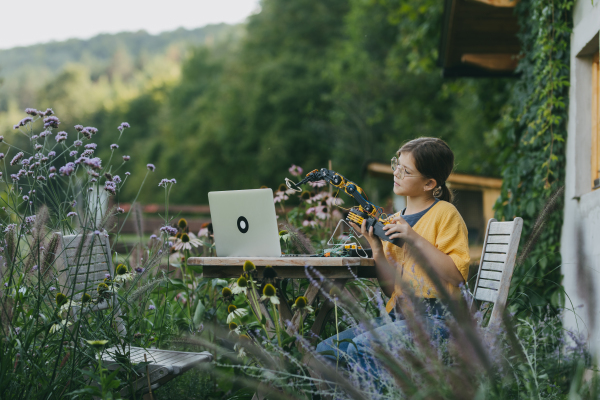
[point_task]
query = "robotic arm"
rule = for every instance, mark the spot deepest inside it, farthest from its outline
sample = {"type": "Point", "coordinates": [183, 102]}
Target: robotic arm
{"type": "Point", "coordinates": [365, 211]}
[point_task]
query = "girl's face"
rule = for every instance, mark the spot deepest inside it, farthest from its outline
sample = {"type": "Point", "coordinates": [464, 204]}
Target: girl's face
{"type": "Point", "coordinates": [407, 179]}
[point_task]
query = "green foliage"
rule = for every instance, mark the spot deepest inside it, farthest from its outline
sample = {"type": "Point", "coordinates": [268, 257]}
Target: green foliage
{"type": "Point", "coordinates": [533, 142]}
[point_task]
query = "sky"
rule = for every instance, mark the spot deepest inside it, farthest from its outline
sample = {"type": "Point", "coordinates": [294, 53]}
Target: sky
{"type": "Point", "coordinates": [27, 22]}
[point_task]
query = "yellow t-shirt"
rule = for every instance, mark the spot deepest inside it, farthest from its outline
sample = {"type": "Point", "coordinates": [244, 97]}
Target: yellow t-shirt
{"type": "Point", "coordinates": [443, 227]}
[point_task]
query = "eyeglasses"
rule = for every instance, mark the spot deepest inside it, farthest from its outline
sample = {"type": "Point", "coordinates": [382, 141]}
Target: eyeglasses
{"type": "Point", "coordinates": [402, 170]}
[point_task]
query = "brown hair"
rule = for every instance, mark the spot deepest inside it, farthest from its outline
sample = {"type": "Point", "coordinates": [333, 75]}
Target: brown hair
{"type": "Point", "coordinates": [434, 160]}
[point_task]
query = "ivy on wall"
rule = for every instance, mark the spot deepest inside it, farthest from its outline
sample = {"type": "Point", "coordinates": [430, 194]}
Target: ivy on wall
{"type": "Point", "coordinates": [533, 139]}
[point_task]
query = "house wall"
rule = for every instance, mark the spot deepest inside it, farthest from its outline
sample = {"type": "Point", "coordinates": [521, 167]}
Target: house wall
{"type": "Point", "coordinates": [580, 242]}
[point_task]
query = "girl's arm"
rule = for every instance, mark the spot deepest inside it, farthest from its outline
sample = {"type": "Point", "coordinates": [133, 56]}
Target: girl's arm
{"type": "Point", "coordinates": [425, 252]}
{"type": "Point", "coordinates": [386, 274]}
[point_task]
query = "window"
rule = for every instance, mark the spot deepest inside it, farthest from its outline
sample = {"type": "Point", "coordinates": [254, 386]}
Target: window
{"type": "Point", "coordinates": [596, 122]}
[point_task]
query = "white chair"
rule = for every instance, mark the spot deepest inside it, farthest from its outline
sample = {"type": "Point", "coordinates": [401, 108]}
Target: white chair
{"type": "Point", "coordinates": [84, 267]}
{"type": "Point", "coordinates": [497, 263]}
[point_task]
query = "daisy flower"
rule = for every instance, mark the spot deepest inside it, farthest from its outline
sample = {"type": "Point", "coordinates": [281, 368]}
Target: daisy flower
{"type": "Point", "coordinates": [123, 274]}
{"type": "Point", "coordinates": [270, 293]}
{"type": "Point", "coordinates": [235, 312]}
{"type": "Point", "coordinates": [60, 325]}
{"type": "Point", "coordinates": [301, 304]}
{"type": "Point", "coordinates": [186, 242]}
{"type": "Point", "coordinates": [241, 286]}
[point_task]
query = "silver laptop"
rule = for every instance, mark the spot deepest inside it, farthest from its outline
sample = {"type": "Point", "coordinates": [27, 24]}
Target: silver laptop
{"type": "Point", "coordinates": [244, 223]}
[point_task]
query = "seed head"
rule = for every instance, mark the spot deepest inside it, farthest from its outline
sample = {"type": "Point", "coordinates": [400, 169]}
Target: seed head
{"type": "Point", "coordinates": [61, 299]}
{"type": "Point", "coordinates": [121, 269]}
{"type": "Point", "coordinates": [86, 298]}
{"type": "Point", "coordinates": [182, 223]}
{"type": "Point", "coordinates": [269, 272]}
{"type": "Point", "coordinates": [185, 238]}
{"type": "Point", "coordinates": [231, 308]}
{"type": "Point", "coordinates": [242, 282]}
{"type": "Point", "coordinates": [97, 344]}
{"type": "Point", "coordinates": [301, 302]}
{"type": "Point", "coordinates": [232, 326]}
{"type": "Point", "coordinates": [249, 266]}
{"type": "Point", "coordinates": [269, 290]}
{"type": "Point", "coordinates": [226, 292]}
{"type": "Point", "coordinates": [335, 292]}
{"type": "Point", "coordinates": [102, 287]}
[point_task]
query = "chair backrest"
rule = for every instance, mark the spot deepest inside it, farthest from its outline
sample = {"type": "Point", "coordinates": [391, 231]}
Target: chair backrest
{"type": "Point", "coordinates": [85, 263]}
{"type": "Point", "coordinates": [497, 264]}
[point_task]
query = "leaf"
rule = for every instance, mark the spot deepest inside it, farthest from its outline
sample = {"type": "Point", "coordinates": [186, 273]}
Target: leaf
{"type": "Point", "coordinates": [219, 282]}
{"type": "Point", "coordinates": [199, 313]}
{"type": "Point", "coordinates": [196, 268]}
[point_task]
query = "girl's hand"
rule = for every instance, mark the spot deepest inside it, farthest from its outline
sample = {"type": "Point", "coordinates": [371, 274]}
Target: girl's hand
{"type": "Point", "coordinates": [400, 229]}
{"type": "Point", "coordinates": [373, 240]}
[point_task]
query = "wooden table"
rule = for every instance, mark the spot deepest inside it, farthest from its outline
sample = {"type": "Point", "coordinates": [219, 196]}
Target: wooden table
{"type": "Point", "coordinates": [336, 270]}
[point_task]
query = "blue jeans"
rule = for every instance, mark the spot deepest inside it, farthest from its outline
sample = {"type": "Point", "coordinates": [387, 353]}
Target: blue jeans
{"type": "Point", "coordinates": [389, 334]}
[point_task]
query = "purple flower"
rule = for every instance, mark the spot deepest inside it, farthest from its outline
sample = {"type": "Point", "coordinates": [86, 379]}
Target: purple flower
{"type": "Point", "coordinates": [48, 112]}
{"type": "Point", "coordinates": [38, 147]}
{"type": "Point", "coordinates": [15, 177]}
{"type": "Point", "coordinates": [52, 288]}
{"type": "Point", "coordinates": [16, 126]}
{"type": "Point", "coordinates": [94, 180]}
{"type": "Point", "coordinates": [114, 146]}
{"type": "Point", "coordinates": [1, 139]}
{"type": "Point", "coordinates": [1, 156]}
{"type": "Point", "coordinates": [87, 153]}
{"type": "Point", "coordinates": [126, 158]}
{"type": "Point", "coordinates": [78, 128]}
{"type": "Point", "coordinates": [164, 183]}
{"type": "Point", "coordinates": [61, 136]}
{"type": "Point", "coordinates": [31, 111]}
{"type": "Point", "coordinates": [52, 154]}
{"type": "Point", "coordinates": [123, 126]}
{"type": "Point", "coordinates": [150, 167]}
{"type": "Point", "coordinates": [51, 122]}
{"type": "Point", "coordinates": [94, 163]}
{"type": "Point", "coordinates": [169, 230]}
{"type": "Point", "coordinates": [173, 181]}
{"type": "Point", "coordinates": [110, 187]}
{"type": "Point", "coordinates": [44, 134]}
{"type": "Point", "coordinates": [91, 146]}
{"type": "Point", "coordinates": [41, 178]}
{"type": "Point", "coordinates": [72, 214]}
{"type": "Point", "coordinates": [107, 276]}
{"type": "Point", "coordinates": [52, 169]}
{"type": "Point", "coordinates": [153, 237]}
{"type": "Point", "coordinates": [24, 122]}
{"type": "Point", "coordinates": [77, 143]}
{"type": "Point", "coordinates": [96, 232]}
{"type": "Point", "coordinates": [127, 173]}
{"type": "Point", "coordinates": [89, 131]}
{"type": "Point", "coordinates": [16, 158]}
{"type": "Point", "coordinates": [25, 162]}
{"type": "Point", "coordinates": [67, 169]}
{"type": "Point", "coordinates": [151, 307]}
{"type": "Point", "coordinates": [117, 179]}
{"type": "Point", "coordinates": [120, 210]}
{"type": "Point", "coordinates": [33, 137]}
{"type": "Point", "coordinates": [73, 153]}
{"type": "Point", "coordinates": [139, 270]}
{"type": "Point", "coordinates": [34, 268]}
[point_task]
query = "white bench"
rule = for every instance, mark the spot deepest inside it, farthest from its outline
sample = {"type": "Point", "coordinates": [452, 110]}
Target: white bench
{"type": "Point", "coordinates": [84, 266]}
{"type": "Point", "coordinates": [497, 263]}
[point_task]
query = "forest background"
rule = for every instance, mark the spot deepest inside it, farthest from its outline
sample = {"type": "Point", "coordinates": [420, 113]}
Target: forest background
{"type": "Point", "coordinates": [232, 107]}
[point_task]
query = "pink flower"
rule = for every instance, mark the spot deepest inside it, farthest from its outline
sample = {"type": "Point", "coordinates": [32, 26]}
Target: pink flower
{"type": "Point", "coordinates": [317, 184]}
{"type": "Point", "coordinates": [295, 170]}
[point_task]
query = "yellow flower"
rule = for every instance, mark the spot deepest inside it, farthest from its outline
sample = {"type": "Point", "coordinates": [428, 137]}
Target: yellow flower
{"type": "Point", "coordinates": [226, 292]}
{"type": "Point", "coordinates": [270, 293]}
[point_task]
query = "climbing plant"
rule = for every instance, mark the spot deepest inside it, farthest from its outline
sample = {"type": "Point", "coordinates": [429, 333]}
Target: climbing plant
{"type": "Point", "coordinates": [533, 138]}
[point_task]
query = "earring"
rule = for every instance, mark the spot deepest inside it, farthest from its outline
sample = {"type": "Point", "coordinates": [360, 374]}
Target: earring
{"type": "Point", "coordinates": [437, 192]}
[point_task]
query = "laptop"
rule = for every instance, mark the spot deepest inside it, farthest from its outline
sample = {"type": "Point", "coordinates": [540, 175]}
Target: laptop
{"type": "Point", "coordinates": [244, 223]}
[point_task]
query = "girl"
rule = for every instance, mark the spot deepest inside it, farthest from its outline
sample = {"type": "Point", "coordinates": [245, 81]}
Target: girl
{"type": "Point", "coordinates": [433, 234]}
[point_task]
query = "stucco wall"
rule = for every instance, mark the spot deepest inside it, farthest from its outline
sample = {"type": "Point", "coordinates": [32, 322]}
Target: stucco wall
{"type": "Point", "coordinates": [580, 242]}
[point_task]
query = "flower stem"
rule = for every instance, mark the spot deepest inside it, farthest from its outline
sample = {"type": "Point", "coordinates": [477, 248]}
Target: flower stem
{"type": "Point", "coordinates": [277, 328]}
